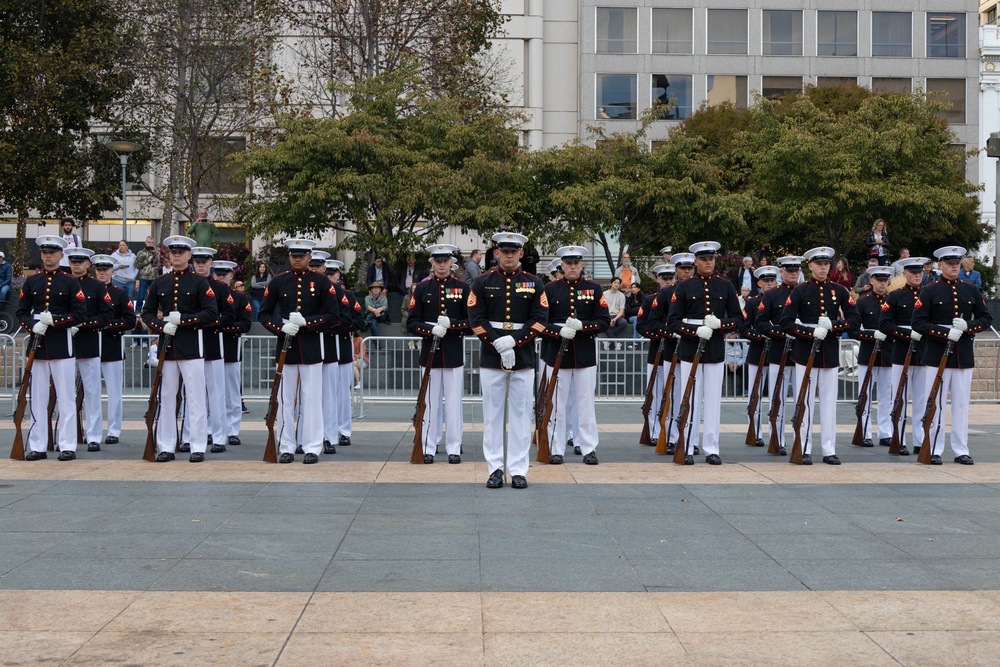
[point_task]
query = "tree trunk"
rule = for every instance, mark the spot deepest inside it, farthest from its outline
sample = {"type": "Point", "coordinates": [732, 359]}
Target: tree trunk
{"type": "Point", "coordinates": [18, 248]}
{"type": "Point", "coordinates": [602, 240]}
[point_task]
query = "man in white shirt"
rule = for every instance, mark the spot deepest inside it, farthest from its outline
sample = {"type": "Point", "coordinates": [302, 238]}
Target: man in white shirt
{"type": "Point", "coordinates": [616, 308]}
{"type": "Point", "coordinates": [71, 239]}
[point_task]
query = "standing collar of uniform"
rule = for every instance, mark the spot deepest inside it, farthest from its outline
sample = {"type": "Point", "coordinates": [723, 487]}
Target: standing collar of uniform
{"type": "Point", "coordinates": [950, 283]}
{"type": "Point", "coordinates": [788, 287]}
{"type": "Point", "coordinates": [705, 278]}
{"type": "Point", "coordinates": [182, 271]}
{"type": "Point", "coordinates": [440, 281]}
{"type": "Point", "coordinates": [817, 282]}
{"type": "Point", "coordinates": [915, 290]}
{"type": "Point", "coordinates": [301, 274]}
{"type": "Point", "coordinates": [574, 283]}
{"type": "Point", "coordinates": [50, 274]}
{"type": "Point", "coordinates": [508, 275]}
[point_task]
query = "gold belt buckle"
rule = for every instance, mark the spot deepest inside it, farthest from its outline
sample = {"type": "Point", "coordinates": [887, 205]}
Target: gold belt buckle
{"type": "Point", "coordinates": [508, 326]}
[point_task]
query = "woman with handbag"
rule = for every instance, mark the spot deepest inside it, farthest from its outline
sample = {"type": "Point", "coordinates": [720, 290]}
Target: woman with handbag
{"type": "Point", "coordinates": [878, 243]}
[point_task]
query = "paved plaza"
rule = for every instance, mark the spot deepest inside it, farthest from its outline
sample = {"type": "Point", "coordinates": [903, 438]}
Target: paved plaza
{"type": "Point", "coordinates": [366, 559]}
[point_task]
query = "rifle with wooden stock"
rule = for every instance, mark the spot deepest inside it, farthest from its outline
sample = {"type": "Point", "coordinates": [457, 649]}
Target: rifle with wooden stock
{"type": "Point", "coordinates": [800, 403]}
{"type": "Point", "coordinates": [755, 392]}
{"type": "Point", "coordinates": [51, 409]}
{"type": "Point", "coordinates": [926, 448]}
{"type": "Point", "coordinates": [647, 404]}
{"type": "Point", "coordinates": [666, 407]}
{"type": "Point", "coordinates": [153, 407]}
{"type": "Point", "coordinates": [778, 400]}
{"type": "Point", "coordinates": [539, 402]}
{"type": "Point", "coordinates": [899, 403]}
{"type": "Point", "coordinates": [680, 451]}
{"type": "Point", "coordinates": [859, 407]}
{"type": "Point", "coordinates": [417, 455]}
{"type": "Point", "coordinates": [271, 449]}
{"type": "Point", "coordinates": [79, 409]}
{"type": "Point", "coordinates": [550, 389]}
{"type": "Point", "coordinates": [17, 448]}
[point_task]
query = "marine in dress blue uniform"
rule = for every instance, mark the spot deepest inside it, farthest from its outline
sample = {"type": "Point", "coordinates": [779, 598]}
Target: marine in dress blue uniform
{"type": "Point", "coordinates": [767, 277]}
{"type": "Point", "coordinates": [353, 322]}
{"type": "Point", "coordinates": [122, 320]}
{"type": "Point", "coordinates": [232, 351]}
{"type": "Point", "coordinates": [870, 309]}
{"type": "Point", "coordinates": [333, 392]}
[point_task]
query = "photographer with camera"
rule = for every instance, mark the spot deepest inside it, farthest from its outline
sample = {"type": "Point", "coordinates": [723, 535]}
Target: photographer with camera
{"type": "Point", "coordinates": [203, 230]}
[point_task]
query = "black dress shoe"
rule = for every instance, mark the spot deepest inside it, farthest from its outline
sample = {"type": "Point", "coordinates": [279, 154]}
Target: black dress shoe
{"type": "Point", "coordinates": [903, 451]}
{"type": "Point", "coordinates": [713, 459]}
{"type": "Point", "coordinates": [555, 460]}
{"type": "Point", "coordinates": [111, 440]}
{"type": "Point", "coordinates": [591, 459]}
{"type": "Point", "coordinates": [243, 407]}
{"type": "Point", "coordinates": [286, 458]}
{"type": "Point", "coordinates": [210, 440]}
{"type": "Point", "coordinates": [807, 459]}
{"type": "Point", "coordinates": [518, 482]}
{"type": "Point", "coordinates": [454, 458]}
{"type": "Point", "coordinates": [328, 447]}
{"type": "Point", "coordinates": [185, 447]}
{"type": "Point", "coordinates": [217, 449]}
{"type": "Point", "coordinates": [428, 458]}
{"type": "Point", "coordinates": [689, 460]}
{"type": "Point", "coordinates": [964, 459]}
{"type": "Point", "coordinates": [868, 443]}
{"type": "Point", "coordinates": [697, 450]}
{"type": "Point", "coordinates": [163, 457]}
{"type": "Point", "coordinates": [67, 455]}
{"type": "Point", "coordinates": [298, 449]}
{"type": "Point", "coordinates": [496, 479]}
{"type": "Point", "coordinates": [34, 456]}
{"type": "Point", "coordinates": [93, 446]}
{"type": "Point", "coordinates": [884, 442]}
{"type": "Point", "coordinates": [831, 460]}
{"type": "Point", "coordinates": [759, 443]}
{"type": "Point", "coordinates": [577, 450]}
{"type": "Point", "coordinates": [671, 448]}
{"type": "Point", "coordinates": [569, 444]}
{"type": "Point", "coordinates": [916, 449]}
{"type": "Point", "coordinates": [197, 457]}
{"type": "Point", "coordinates": [344, 441]}
{"type": "Point", "coordinates": [935, 460]}
{"type": "Point", "coordinates": [233, 441]}
{"type": "Point", "coordinates": [310, 458]}
{"type": "Point", "coordinates": [782, 451]}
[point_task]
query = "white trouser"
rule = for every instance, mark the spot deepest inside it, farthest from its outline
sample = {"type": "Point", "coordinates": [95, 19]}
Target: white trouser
{"type": "Point", "coordinates": [916, 393]}
{"type": "Point", "coordinates": [310, 377]}
{"type": "Point", "coordinates": [331, 394]}
{"type": "Point", "coordinates": [234, 398]}
{"type": "Point", "coordinates": [196, 418]}
{"type": "Point", "coordinates": [654, 406]}
{"type": "Point", "coordinates": [574, 389]}
{"type": "Point", "coordinates": [707, 388]}
{"type": "Point", "coordinates": [494, 384]}
{"type": "Point", "coordinates": [344, 388]}
{"type": "Point", "coordinates": [90, 380]}
{"type": "Point", "coordinates": [882, 379]}
{"type": "Point", "coordinates": [756, 416]}
{"type": "Point", "coordinates": [444, 383]}
{"type": "Point", "coordinates": [62, 373]}
{"type": "Point", "coordinates": [958, 381]}
{"type": "Point", "coordinates": [215, 400]}
{"type": "Point", "coordinates": [113, 381]}
{"type": "Point", "coordinates": [780, 394]}
{"type": "Point", "coordinates": [823, 380]}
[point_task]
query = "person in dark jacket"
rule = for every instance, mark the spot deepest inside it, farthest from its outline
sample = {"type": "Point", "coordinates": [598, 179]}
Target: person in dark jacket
{"type": "Point", "coordinates": [877, 243]}
{"type": "Point", "coordinates": [378, 271]}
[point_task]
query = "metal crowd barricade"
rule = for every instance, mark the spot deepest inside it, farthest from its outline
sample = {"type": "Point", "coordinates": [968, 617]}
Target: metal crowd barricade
{"type": "Point", "coordinates": [10, 368]}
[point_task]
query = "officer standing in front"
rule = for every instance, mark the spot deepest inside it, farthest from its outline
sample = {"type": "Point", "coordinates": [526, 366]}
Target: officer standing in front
{"type": "Point", "coordinates": [507, 310]}
{"type": "Point", "coordinates": [232, 351]}
{"type": "Point", "coordinates": [766, 280]}
{"type": "Point", "coordinates": [950, 309]}
{"type": "Point", "coordinates": [870, 309]}
{"type": "Point", "coordinates": [113, 343]}
{"type": "Point", "coordinates": [50, 305]}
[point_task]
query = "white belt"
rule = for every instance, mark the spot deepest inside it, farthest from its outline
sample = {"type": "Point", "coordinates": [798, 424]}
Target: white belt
{"type": "Point", "coordinates": [507, 326]}
{"type": "Point", "coordinates": [806, 324]}
{"type": "Point", "coordinates": [904, 326]}
{"type": "Point", "coordinates": [691, 321]}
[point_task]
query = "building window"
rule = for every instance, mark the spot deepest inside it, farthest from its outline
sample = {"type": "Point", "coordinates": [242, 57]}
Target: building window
{"type": "Point", "coordinates": [832, 81]}
{"type": "Point", "coordinates": [616, 29]}
{"type": "Point", "coordinates": [727, 31]}
{"type": "Point", "coordinates": [219, 174]}
{"type": "Point", "coordinates": [671, 30]}
{"type": "Point", "coordinates": [616, 95]}
{"type": "Point", "coordinates": [952, 93]}
{"type": "Point", "coordinates": [892, 85]}
{"type": "Point", "coordinates": [892, 35]}
{"type": "Point", "coordinates": [674, 92]}
{"type": "Point", "coordinates": [945, 35]}
{"type": "Point", "coordinates": [724, 88]}
{"type": "Point", "coordinates": [782, 33]}
{"type": "Point", "coordinates": [776, 87]}
{"type": "Point", "coordinates": [656, 145]}
{"type": "Point", "coordinates": [836, 33]}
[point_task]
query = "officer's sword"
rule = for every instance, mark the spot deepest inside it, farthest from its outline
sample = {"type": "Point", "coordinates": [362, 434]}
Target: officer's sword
{"type": "Point", "coordinates": [506, 397]}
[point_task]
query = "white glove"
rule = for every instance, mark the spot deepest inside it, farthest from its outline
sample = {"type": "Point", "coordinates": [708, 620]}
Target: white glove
{"type": "Point", "coordinates": [73, 330]}
{"type": "Point", "coordinates": [507, 359]}
{"type": "Point", "coordinates": [574, 323]}
{"type": "Point", "coordinates": [444, 321]}
{"type": "Point", "coordinates": [290, 328]}
{"type": "Point", "coordinates": [39, 329]}
{"type": "Point", "coordinates": [825, 323]}
{"type": "Point", "coordinates": [297, 318]}
{"type": "Point", "coordinates": [567, 332]}
{"type": "Point", "coordinates": [879, 335]}
{"type": "Point", "coordinates": [915, 336]}
{"type": "Point", "coordinates": [954, 334]}
{"type": "Point", "coordinates": [439, 331]}
{"type": "Point", "coordinates": [819, 333]}
{"type": "Point", "coordinates": [712, 322]}
{"type": "Point", "coordinates": [960, 324]}
{"type": "Point", "coordinates": [170, 329]}
{"type": "Point", "coordinates": [45, 317]}
{"type": "Point", "coordinates": [704, 332]}
{"type": "Point", "coordinates": [174, 317]}
{"type": "Point", "coordinates": [504, 343]}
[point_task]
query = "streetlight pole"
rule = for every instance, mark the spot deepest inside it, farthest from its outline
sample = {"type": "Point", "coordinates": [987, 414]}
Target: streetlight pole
{"type": "Point", "coordinates": [123, 149]}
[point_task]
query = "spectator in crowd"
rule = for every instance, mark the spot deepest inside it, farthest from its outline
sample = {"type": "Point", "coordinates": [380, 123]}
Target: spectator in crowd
{"type": "Point", "coordinates": [842, 274]}
{"type": "Point", "coordinates": [6, 275]}
{"type": "Point", "coordinates": [376, 307]}
{"type": "Point", "coordinates": [529, 262]}
{"type": "Point", "coordinates": [626, 272]}
{"type": "Point", "coordinates": [472, 269]}
{"type": "Point", "coordinates": [904, 253]}
{"type": "Point", "coordinates": [744, 295]}
{"type": "Point", "coordinates": [359, 360]}
{"type": "Point", "coordinates": [258, 283]}
{"type": "Point", "coordinates": [744, 277]}
{"type": "Point", "coordinates": [72, 241]}
{"type": "Point", "coordinates": [203, 230]}
{"type": "Point", "coordinates": [124, 272]}
{"type": "Point", "coordinates": [864, 285]}
{"type": "Point", "coordinates": [491, 258]}
{"type": "Point", "coordinates": [616, 308]}
{"type": "Point", "coordinates": [633, 301]}
{"type": "Point", "coordinates": [404, 310]}
{"type": "Point", "coordinates": [378, 271]}
{"type": "Point", "coordinates": [736, 356]}
{"type": "Point", "coordinates": [147, 263]}
{"type": "Point", "coordinates": [969, 274]}
{"type": "Point", "coordinates": [667, 252]}
{"type": "Point", "coordinates": [239, 286]}
{"type": "Point", "coordinates": [409, 276]}
{"type": "Point", "coordinates": [930, 275]}
{"type": "Point", "coordinates": [878, 243]}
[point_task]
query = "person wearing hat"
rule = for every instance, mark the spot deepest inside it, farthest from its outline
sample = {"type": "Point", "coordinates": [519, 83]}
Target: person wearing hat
{"type": "Point", "coordinates": [507, 310]}
{"type": "Point", "coordinates": [706, 307]}
{"type": "Point", "coordinates": [122, 319]}
{"type": "Point", "coordinates": [302, 304]}
{"type": "Point", "coordinates": [766, 277]}
{"type": "Point", "coordinates": [767, 321]}
{"type": "Point", "coordinates": [179, 304]}
{"type": "Point", "coordinates": [895, 321]}
{"type": "Point", "coordinates": [49, 306]}
{"type": "Point", "coordinates": [554, 269]}
{"type": "Point", "coordinates": [651, 323]}
{"type": "Point", "coordinates": [352, 323]}
{"type": "Point", "coordinates": [814, 310]}
{"type": "Point", "coordinates": [333, 393]}
{"type": "Point", "coordinates": [955, 311]}
{"type": "Point", "coordinates": [232, 351]}
{"type": "Point", "coordinates": [87, 343]}
{"type": "Point", "coordinates": [667, 253]}
{"type": "Point", "coordinates": [438, 310]}
{"type": "Point", "coordinates": [870, 308]}
{"type": "Point", "coordinates": [376, 307]}
{"type": "Point", "coordinates": [317, 264]}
